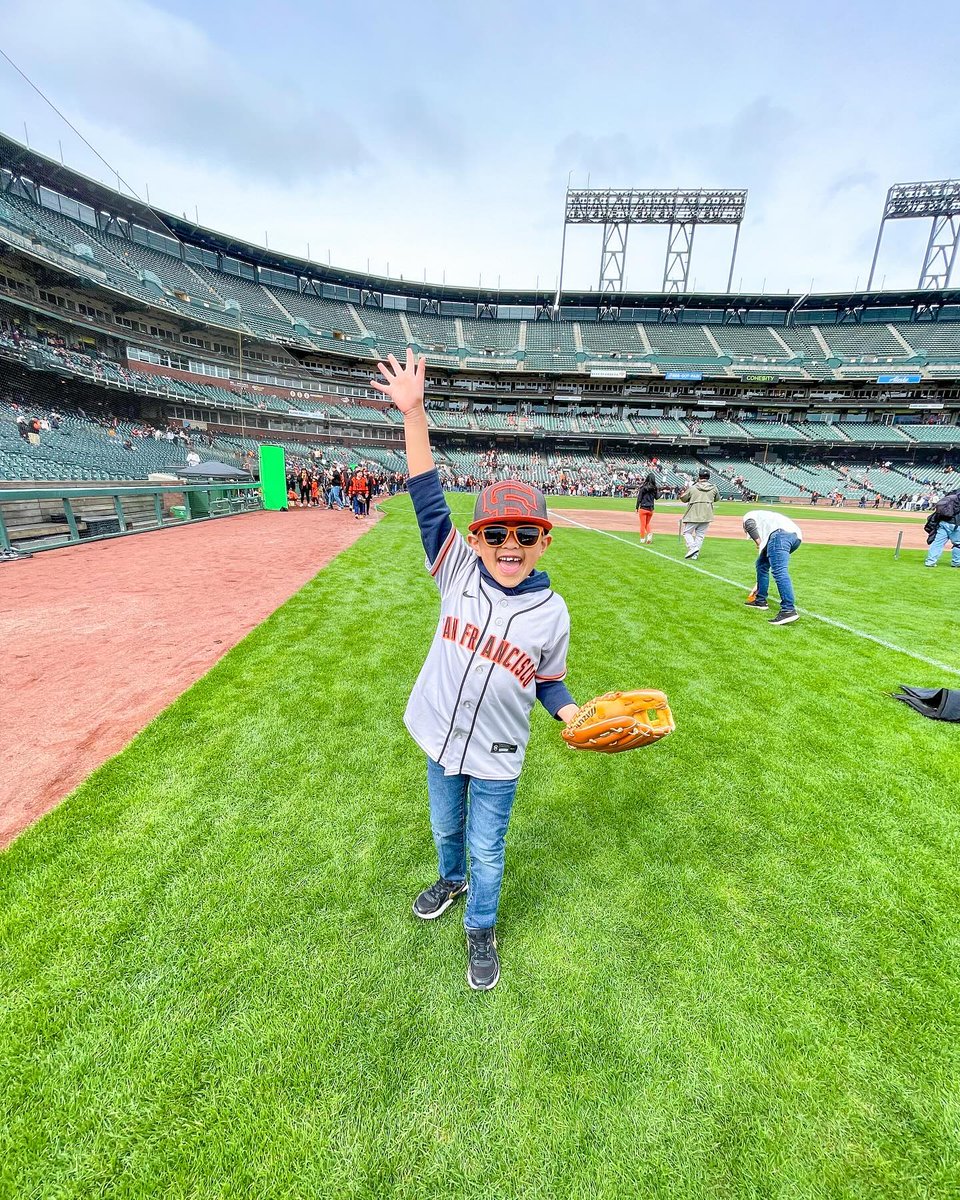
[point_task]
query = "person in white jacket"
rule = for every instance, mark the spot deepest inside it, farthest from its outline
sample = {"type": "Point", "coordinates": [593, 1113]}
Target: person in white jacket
{"type": "Point", "coordinates": [699, 497]}
{"type": "Point", "coordinates": [776, 537]}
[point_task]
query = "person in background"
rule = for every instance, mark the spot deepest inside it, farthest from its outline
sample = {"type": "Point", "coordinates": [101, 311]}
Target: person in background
{"type": "Point", "coordinates": [776, 537]}
{"type": "Point", "coordinates": [646, 498]}
{"type": "Point", "coordinates": [360, 493]}
{"type": "Point", "coordinates": [945, 523]}
{"type": "Point", "coordinates": [699, 497]}
{"type": "Point", "coordinates": [334, 491]}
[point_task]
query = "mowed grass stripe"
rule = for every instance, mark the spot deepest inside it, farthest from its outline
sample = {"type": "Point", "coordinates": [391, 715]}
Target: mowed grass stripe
{"type": "Point", "coordinates": [633, 542]}
{"type": "Point", "coordinates": [895, 600]}
{"type": "Point", "coordinates": [730, 962]}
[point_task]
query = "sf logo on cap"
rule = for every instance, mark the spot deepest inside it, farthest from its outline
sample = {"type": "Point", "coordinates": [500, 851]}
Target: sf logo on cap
{"type": "Point", "coordinates": [509, 499]}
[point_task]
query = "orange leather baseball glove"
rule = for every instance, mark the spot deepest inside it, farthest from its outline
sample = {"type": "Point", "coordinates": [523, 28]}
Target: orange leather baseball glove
{"type": "Point", "coordinates": [620, 721]}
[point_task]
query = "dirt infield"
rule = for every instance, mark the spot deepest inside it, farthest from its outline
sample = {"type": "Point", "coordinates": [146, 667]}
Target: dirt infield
{"type": "Point", "coordinates": [96, 640]}
{"type": "Point", "coordinates": [823, 533]}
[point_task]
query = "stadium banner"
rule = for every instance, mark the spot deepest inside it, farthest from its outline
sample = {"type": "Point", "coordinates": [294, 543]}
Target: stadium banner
{"type": "Point", "coordinates": [760, 378]}
{"type": "Point", "coordinates": [607, 373]}
{"type": "Point", "coordinates": [927, 407]}
{"type": "Point", "coordinates": [898, 379]}
{"type": "Point", "coordinates": [696, 376]}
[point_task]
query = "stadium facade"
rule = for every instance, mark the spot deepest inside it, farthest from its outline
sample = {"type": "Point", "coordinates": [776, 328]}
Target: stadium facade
{"type": "Point", "coordinates": [783, 394]}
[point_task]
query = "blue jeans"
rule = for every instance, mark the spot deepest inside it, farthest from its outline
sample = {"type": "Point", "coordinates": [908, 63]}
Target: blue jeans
{"type": "Point", "coordinates": [775, 557]}
{"type": "Point", "coordinates": [469, 813]}
{"type": "Point", "coordinates": [947, 531]}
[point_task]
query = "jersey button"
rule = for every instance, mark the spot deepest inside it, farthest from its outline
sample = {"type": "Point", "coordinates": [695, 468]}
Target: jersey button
{"type": "Point", "coordinates": [499, 620]}
{"type": "Point", "coordinates": [479, 670]}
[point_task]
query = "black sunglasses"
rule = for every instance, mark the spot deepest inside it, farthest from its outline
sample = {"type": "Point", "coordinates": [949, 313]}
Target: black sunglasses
{"type": "Point", "coordinates": [526, 535]}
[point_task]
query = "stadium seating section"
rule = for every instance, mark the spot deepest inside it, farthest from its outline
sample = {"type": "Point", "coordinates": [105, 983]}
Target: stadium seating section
{"type": "Point", "coordinates": [106, 409]}
{"type": "Point", "coordinates": [286, 316]}
{"type": "Point", "coordinates": [101, 436]}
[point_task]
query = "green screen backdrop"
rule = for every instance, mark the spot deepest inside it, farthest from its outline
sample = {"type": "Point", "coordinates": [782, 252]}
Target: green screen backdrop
{"type": "Point", "coordinates": [273, 477]}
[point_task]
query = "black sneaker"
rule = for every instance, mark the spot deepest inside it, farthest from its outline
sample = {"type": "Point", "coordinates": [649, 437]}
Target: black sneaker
{"type": "Point", "coordinates": [786, 616]}
{"type": "Point", "coordinates": [483, 965]}
{"type": "Point", "coordinates": [756, 603]}
{"type": "Point", "coordinates": [436, 899]}
{"type": "Point", "coordinates": [691, 554]}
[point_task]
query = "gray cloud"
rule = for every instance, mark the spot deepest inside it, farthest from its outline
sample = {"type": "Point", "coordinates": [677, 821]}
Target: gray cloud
{"type": "Point", "coordinates": [726, 153]}
{"type": "Point", "coordinates": [850, 181]}
{"type": "Point", "coordinates": [152, 75]}
{"type": "Point", "coordinates": [416, 125]}
{"type": "Point", "coordinates": [750, 144]}
{"type": "Point", "coordinates": [611, 160]}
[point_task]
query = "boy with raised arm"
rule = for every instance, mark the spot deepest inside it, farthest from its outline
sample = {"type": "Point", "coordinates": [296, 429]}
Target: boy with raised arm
{"type": "Point", "coordinates": [500, 645]}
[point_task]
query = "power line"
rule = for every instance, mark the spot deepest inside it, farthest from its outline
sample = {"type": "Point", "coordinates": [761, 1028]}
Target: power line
{"type": "Point", "coordinates": [66, 120]}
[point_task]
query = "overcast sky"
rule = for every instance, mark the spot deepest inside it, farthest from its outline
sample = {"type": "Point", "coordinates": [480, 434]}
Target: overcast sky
{"type": "Point", "coordinates": [440, 136]}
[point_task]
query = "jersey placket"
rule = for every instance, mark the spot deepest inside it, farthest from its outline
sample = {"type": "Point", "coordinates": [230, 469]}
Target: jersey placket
{"type": "Point", "coordinates": [470, 692]}
{"type": "Point", "coordinates": [499, 621]}
{"type": "Point", "coordinates": [480, 676]}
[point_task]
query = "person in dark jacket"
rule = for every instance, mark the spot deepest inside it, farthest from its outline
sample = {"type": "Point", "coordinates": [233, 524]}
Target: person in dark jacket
{"type": "Point", "coordinates": [646, 499]}
{"type": "Point", "coordinates": [945, 522]}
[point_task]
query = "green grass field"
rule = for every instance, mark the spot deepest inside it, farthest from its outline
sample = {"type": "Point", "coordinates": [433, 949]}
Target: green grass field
{"type": "Point", "coordinates": [730, 962]}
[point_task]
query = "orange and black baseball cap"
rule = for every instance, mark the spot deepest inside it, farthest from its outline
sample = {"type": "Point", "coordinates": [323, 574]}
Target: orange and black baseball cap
{"type": "Point", "coordinates": [510, 500]}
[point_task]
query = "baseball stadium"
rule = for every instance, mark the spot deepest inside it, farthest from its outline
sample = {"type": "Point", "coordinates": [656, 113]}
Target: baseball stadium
{"type": "Point", "coordinates": [730, 964]}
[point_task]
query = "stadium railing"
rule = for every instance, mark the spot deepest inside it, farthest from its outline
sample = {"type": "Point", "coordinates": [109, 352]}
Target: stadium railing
{"type": "Point", "coordinates": [47, 518]}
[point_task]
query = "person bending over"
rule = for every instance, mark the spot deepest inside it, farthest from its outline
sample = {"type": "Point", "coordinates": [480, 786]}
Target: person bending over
{"type": "Point", "coordinates": [776, 537]}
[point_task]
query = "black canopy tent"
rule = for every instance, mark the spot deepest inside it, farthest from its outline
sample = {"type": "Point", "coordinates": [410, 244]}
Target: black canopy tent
{"type": "Point", "coordinates": [219, 500]}
{"type": "Point", "coordinates": [213, 470]}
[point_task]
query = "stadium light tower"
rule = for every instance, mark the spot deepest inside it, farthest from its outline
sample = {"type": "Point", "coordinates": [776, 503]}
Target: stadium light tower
{"type": "Point", "coordinates": [940, 201]}
{"type": "Point", "coordinates": [682, 209]}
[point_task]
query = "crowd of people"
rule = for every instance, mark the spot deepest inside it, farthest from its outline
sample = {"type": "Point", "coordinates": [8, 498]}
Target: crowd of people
{"type": "Point", "coordinates": [338, 486]}
{"type": "Point", "coordinates": [32, 423]}
{"type": "Point", "coordinates": [565, 475]}
{"type": "Point", "coordinates": [907, 502]}
{"type": "Point", "coordinates": [77, 358]}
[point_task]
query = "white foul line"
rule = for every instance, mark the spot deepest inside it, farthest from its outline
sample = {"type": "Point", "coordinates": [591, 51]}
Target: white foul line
{"type": "Point", "coordinates": [931, 662]}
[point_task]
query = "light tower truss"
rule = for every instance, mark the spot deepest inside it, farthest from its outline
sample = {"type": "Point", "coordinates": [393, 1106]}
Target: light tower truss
{"type": "Point", "coordinates": [682, 209]}
{"type": "Point", "coordinates": [940, 202]}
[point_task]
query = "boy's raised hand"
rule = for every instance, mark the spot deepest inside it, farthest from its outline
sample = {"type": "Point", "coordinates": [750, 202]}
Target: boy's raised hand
{"type": "Point", "coordinates": [404, 384]}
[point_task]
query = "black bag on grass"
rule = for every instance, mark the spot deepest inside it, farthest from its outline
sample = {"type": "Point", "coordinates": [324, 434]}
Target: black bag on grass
{"type": "Point", "coordinates": [940, 704]}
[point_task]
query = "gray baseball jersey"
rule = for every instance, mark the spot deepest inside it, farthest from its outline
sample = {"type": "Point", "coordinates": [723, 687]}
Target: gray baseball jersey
{"type": "Point", "coordinates": [470, 707]}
